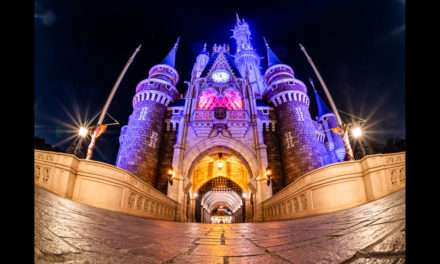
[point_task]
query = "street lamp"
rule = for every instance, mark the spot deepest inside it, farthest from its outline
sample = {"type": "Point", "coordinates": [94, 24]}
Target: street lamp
{"type": "Point", "coordinates": [357, 132]}
{"type": "Point", "coordinates": [83, 132]}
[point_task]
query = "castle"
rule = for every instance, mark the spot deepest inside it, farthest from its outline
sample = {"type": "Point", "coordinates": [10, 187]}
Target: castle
{"type": "Point", "coordinates": [235, 137]}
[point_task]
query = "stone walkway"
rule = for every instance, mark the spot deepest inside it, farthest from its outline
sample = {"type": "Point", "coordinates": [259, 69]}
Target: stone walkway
{"type": "Point", "coordinates": [69, 232]}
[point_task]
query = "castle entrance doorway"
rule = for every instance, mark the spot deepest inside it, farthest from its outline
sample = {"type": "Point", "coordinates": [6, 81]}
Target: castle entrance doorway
{"type": "Point", "coordinates": [219, 191]}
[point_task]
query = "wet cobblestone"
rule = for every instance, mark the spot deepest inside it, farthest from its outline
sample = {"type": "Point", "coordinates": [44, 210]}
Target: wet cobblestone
{"type": "Point", "coordinates": [69, 232]}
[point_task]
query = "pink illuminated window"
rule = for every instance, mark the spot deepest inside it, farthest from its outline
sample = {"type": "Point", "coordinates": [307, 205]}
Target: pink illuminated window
{"type": "Point", "coordinates": [233, 100]}
{"type": "Point", "coordinates": [230, 99]}
{"type": "Point", "coordinates": [207, 99]}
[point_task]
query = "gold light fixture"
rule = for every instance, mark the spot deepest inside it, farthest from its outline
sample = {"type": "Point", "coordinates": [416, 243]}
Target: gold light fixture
{"type": "Point", "coordinates": [269, 176]}
{"type": "Point", "coordinates": [170, 176]}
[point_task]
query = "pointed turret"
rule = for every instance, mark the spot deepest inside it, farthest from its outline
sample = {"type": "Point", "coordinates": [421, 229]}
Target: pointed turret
{"type": "Point", "coordinates": [327, 118]}
{"type": "Point", "coordinates": [205, 50]}
{"type": "Point", "coordinates": [201, 61]}
{"type": "Point", "coordinates": [238, 18]}
{"type": "Point", "coordinates": [272, 58]}
{"type": "Point", "coordinates": [140, 139]}
{"type": "Point", "coordinates": [322, 106]}
{"type": "Point", "coordinates": [170, 59]}
{"type": "Point", "coordinates": [246, 57]}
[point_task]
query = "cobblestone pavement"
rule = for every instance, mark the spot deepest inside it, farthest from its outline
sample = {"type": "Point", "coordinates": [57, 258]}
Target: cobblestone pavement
{"type": "Point", "coordinates": [69, 232]}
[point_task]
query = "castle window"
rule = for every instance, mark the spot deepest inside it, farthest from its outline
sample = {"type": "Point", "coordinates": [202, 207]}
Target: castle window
{"type": "Point", "coordinates": [299, 114]}
{"type": "Point", "coordinates": [143, 113]}
{"type": "Point", "coordinates": [176, 111]}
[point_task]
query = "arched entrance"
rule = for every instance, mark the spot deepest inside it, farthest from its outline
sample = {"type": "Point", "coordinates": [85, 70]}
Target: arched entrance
{"type": "Point", "coordinates": [220, 201]}
{"type": "Point", "coordinates": [219, 189]}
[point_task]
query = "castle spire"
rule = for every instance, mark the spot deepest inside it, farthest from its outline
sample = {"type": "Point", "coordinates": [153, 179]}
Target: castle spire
{"type": "Point", "coordinates": [322, 106]}
{"type": "Point", "coordinates": [237, 17]}
{"type": "Point", "coordinates": [170, 59]}
{"type": "Point", "coordinates": [272, 58]}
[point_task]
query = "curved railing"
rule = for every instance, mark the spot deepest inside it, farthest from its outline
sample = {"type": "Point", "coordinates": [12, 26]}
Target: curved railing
{"type": "Point", "coordinates": [338, 186]}
{"type": "Point", "coordinates": [100, 185]}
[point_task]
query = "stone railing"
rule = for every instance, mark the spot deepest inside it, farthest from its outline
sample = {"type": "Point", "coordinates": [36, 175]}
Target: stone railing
{"type": "Point", "coordinates": [338, 186]}
{"type": "Point", "coordinates": [100, 185]}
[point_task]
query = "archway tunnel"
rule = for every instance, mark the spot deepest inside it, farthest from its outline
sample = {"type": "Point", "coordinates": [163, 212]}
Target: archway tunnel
{"type": "Point", "coordinates": [219, 190]}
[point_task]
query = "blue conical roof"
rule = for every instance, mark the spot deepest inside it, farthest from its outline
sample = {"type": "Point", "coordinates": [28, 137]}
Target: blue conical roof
{"type": "Point", "coordinates": [170, 59]}
{"type": "Point", "coordinates": [272, 58]}
{"type": "Point", "coordinates": [322, 106]}
{"type": "Point", "coordinates": [204, 51]}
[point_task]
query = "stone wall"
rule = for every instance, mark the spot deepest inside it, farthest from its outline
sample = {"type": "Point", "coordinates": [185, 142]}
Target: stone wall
{"type": "Point", "coordinates": [338, 186]}
{"type": "Point", "coordinates": [100, 185]}
{"type": "Point", "coordinates": [274, 159]}
{"type": "Point", "coordinates": [300, 149]}
{"type": "Point", "coordinates": [165, 159]}
{"type": "Point", "coordinates": [141, 139]}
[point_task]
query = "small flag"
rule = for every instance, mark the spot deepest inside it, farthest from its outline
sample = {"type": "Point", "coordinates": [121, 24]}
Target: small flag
{"type": "Point", "coordinates": [338, 130]}
{"type": "Point", "coordinates": [100, 129]}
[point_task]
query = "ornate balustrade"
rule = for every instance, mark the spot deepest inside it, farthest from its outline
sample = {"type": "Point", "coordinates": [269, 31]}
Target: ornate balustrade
{"type": "Point", "coordinates": [100, 185]}
{"type": "Point", "coordinates": [338, 186]}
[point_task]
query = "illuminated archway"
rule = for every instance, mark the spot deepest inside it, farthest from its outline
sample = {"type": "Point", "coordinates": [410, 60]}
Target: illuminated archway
{"type": "Point", "coordinates": [220, 144]}
{"type": "Point", "coordinates": [218, 198]}
{"type": "Point", "coordinates": [219, 157]}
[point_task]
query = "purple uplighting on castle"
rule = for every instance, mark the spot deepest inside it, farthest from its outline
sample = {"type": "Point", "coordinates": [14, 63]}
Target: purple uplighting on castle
{"type": "Point", "coordinates": [228, 100]}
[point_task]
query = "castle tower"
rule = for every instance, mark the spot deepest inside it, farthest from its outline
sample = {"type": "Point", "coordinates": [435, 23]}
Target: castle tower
{"type": "Point", "coordinates": [301, 150]}
{"type": "Point", "coordinates": [246, 57]}
{"type": "Point", "coordinates": [335, 144]}
{"type": "Point", "coordinates": [200, 64]}
{"type": "Point", "coordinates": [140, 139]}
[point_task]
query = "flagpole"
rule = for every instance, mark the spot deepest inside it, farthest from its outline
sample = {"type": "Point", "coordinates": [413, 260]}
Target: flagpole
{"type": "Point", "coordinates": [107, 104]}
{"type": "Point", "coordinates": [332, 104]}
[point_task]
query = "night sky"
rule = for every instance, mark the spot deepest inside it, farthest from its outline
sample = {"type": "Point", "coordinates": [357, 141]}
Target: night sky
{"type": "Point", "coordinates": [80, 50]}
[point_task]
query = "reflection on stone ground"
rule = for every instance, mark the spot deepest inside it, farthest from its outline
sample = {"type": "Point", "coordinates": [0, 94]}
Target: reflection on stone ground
{"type": "Point", "coordinates": [69, 232]}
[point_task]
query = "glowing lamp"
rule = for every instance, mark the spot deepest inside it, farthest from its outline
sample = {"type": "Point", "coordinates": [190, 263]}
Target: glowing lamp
{"type": "Point", "coordinates": [83, 132]}
{"type": "Point", "coordinates": [195, 195]}
{"type": "Point", "coordinates": [268, 172]}
{"type": "Point", "coordinates": [356, 132]}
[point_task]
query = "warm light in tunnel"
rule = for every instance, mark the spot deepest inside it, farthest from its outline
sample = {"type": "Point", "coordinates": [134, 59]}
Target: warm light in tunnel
{"type": "Point", "coordinates": [220, 165]}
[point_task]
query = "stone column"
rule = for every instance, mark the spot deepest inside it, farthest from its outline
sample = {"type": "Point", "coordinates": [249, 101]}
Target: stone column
{"type": "Point", "coordinates": [248, 209]}
{"type": "Point", "coordinates": [193, 209]}
{"type": "Point", "coordinates": [176, 192]}
{"type": "Point", "coordinates": [263, 193]}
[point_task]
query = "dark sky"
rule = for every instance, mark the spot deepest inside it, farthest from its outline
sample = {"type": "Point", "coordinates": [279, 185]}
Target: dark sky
{"type": "Point", "coordinates": [357, 46]}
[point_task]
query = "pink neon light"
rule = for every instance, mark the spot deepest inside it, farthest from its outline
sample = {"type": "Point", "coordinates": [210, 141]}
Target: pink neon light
{"type": "Point", "coordinates": [231, 99]}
